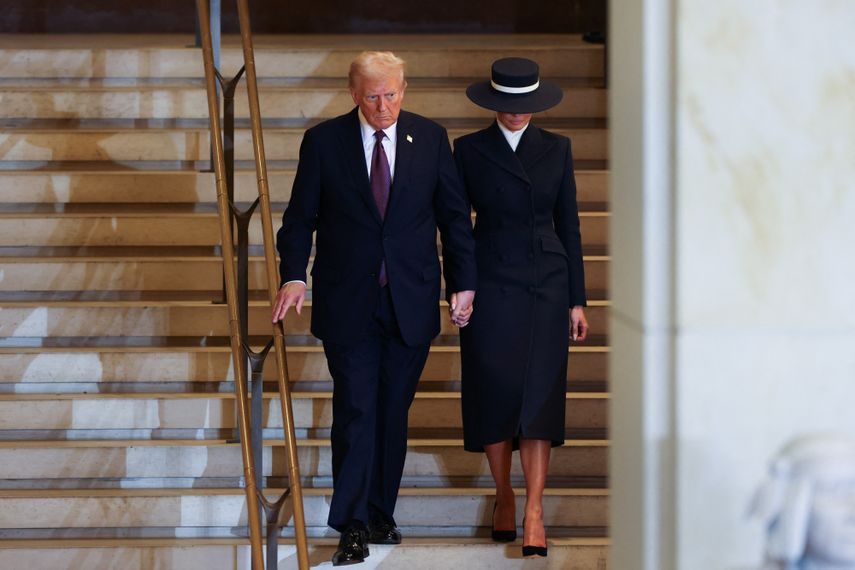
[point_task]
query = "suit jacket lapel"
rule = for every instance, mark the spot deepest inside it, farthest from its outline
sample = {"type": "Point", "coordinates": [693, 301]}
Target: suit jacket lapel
{"type": "Point", "coordinates": [493, 145]}
{"type": "Point", "coordinates": [532, 147]}
{"type": "Point", "coordinates": [353, 152]}
{"type": "Point", "coordinates": [405, 149]}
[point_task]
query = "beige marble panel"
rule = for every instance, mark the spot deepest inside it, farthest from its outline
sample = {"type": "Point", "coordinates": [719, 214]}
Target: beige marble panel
{"type": "Point", "coordinates": [765, 166]}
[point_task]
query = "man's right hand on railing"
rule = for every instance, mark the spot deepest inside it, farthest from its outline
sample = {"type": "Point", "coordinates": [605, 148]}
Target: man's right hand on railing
{"type": "Point", "coordinates": [290, 294]}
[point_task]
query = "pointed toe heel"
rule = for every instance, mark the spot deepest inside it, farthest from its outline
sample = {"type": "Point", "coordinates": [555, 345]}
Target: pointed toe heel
{"type": "Point", "coordinates": [529, 551]}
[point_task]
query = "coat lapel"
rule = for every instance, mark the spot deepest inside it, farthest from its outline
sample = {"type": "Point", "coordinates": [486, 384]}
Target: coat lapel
{"type": "Point", "coordinates": [532, 147]}
{"type": "Point", "coordinates": [405, 148]}
{"type": "Point", "coordinates": [493, 145]}
{"type": "Point", "coordinates": [353, 152]}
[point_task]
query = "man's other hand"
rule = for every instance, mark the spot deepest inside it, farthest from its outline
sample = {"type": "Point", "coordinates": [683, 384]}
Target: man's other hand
{"type": "Point", "coordinates": [291, 294]}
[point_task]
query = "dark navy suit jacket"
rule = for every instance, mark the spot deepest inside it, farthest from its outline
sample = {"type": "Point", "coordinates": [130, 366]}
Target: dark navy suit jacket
{"type": "Point", "coordinates": [332, 196]}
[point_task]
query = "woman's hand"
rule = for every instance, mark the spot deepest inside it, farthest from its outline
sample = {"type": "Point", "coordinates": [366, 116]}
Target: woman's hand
{"type": "Point", "coordinates": [578, 324]}
{"type": "Point", "coordinates": [460, 307]}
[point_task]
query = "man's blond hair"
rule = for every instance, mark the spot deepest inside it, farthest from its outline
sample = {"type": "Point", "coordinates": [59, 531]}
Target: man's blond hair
{"type": "Point", "coordinates": [374, 64]}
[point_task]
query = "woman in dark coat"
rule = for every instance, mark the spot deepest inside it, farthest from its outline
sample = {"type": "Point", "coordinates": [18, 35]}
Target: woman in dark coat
{"type": "Point", "coordinates": [531, 289]}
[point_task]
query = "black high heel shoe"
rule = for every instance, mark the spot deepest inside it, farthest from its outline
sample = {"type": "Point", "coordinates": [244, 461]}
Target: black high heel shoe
{"type": "Point", "coordinates": [501, 535]}
{"type": "Point", "coordinates": [528, 550]}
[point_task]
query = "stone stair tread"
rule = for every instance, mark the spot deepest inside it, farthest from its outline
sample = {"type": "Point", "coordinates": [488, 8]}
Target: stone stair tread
{"type": "Point", "coordinates": [18, 124]}
{"type": "Point", "coordinates": [558, 536]}
{"type": "Point", "coordinates": [317, 437]}
{"type": "Point", "coordinates": [136, 84]}
{"type": "Point", "coordinates": [159, 253]}
{"type": "Point", "coordinates": [155, 343]}
{"type": "Point", "coordinates": [437, 491]}
{"type": "Point", "coordinates": [320, 483]}
{"type": "Point", "coordinates": [298, 42]}
{"type": "Point", "coordinates": [185, 166]}
{"type": "Point", "coordinates": [162, 297]}
{"type": "Point", "coordinates": [580, 389]}
{"type": "Point", "coordinates": [431, 392]}
{"type": "Point", "coordinates": [168, 209]}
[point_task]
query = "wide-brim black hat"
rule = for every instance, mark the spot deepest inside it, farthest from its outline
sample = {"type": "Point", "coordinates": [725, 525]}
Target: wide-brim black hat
{"type": "Point", "coordinates": [515, 87]}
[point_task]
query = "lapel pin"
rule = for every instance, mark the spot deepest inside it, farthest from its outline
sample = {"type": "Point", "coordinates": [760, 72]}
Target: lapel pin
{"type": "Point", "coordinates": [409, 138]}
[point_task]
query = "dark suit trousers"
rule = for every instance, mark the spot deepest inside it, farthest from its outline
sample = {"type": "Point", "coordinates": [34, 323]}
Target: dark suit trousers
{"type": "Point", "coordinates": [374, 382]}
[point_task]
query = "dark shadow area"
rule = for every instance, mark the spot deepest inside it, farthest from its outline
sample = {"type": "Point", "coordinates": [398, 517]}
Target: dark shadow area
{"type": "Point", "coordinates": [321, 16]}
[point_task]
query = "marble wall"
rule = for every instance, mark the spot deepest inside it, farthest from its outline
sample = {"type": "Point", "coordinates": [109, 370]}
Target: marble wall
{"type": "Point", "coordinates": [733, 153]}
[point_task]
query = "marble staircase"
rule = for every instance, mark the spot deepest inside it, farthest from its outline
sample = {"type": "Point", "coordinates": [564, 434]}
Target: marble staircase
{"type": "Point", "coordinates": [116, 410]}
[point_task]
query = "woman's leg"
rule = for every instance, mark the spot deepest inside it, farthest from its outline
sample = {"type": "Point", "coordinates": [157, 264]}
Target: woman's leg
{"type": "Point", "coordinates": [534, 454]}
{"type": "Point", "coordinates": [499, 458]}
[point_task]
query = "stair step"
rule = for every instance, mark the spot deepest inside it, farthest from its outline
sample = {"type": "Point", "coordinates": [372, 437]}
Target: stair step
{"type": "Point", "coordinates": [164, 459]}
{"type": "Point", "coordinates": [188, 139]}
{"type": "Point", "coordinates": [580, 389]}
{"type": "Point", "coordinates": [439, 506]}
{"type": "Point", "coordinates": [168, 318]}
{"type": "Point", "coordinates": [158, 268]}
{"type": "Point", "coordinates": [164, 224]}
{"type": "Point", "coordinates": [169, 55]}
{"type": "Point", "coordinates": [66, 362]}
{"type": "Point", "coordinates": [583, 436]}
{"type": "Point", "coordinates": [60, 182]}
{"type": "Point", "coordinates": [73, 412]}
{"type": "Point", "coordinates": [301, 343]}
{"type": "Point", "coordinates": [179, 98]}
{"type": "Point", "coordinates": [190, 554]}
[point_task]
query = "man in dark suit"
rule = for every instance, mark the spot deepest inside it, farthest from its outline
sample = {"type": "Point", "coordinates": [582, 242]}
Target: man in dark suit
{"type": "Point", "coordinates": [375, 184]}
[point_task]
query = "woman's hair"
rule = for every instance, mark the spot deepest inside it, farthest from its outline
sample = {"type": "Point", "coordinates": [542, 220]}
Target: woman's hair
{"type": "Point", "coordinates": [371, 64]}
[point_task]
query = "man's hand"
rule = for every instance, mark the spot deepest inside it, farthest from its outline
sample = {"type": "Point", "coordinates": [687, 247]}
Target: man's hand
{"type": "Point", "coordinates": [460, 307]}
{"type": "Point", "coordinates": [578, 324]}
{"type": "Point", "coordinates": [292, 293]}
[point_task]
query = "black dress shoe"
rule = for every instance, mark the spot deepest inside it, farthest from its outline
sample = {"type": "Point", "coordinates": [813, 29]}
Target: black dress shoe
{"type": "Point", "coordinates": [501, 535]}
{"type": "Point", "coordinates": [384, 533]}
{"type": "Point", "coordinates": [352, 548]}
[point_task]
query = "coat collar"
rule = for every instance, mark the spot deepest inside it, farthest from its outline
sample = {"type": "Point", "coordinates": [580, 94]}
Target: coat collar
{"type": "Point", "coordinates": [532, 147]}
{"type": "Point", "coordinates": [405, 149]}
{"type": "Point", "coordinates": [352, 150]}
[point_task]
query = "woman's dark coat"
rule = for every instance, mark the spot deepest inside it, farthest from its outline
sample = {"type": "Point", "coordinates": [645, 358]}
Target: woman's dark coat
{"type": "Point", "coordinates": [530, 273]}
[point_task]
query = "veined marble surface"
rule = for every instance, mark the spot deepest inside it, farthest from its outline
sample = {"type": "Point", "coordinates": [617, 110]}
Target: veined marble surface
{"type": "Point", "coordinates": [765, 225]}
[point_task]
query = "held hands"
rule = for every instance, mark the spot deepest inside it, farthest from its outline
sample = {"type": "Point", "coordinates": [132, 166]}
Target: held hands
{"type": "Point", "coordinates": [292, 293]}
{"type": "Point", "coordinates": [460, 307]}
{"type": "Point", "coordinates": [578, 324]}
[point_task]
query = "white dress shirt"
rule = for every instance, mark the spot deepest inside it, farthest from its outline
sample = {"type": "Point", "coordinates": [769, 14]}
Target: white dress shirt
{"type": "Point", "coordinates": [368, 141]}
{"type": "Point", "coordinates": [513, 137]}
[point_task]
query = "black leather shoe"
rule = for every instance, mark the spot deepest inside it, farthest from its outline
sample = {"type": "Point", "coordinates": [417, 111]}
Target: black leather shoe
{"type": "Point", "coordinates": [352, 548]}
{"type": "Point", "coordinates": [384, 533]}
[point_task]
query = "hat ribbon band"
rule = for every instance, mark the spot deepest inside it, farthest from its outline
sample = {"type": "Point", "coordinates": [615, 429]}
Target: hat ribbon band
{"type": "Point", "coordinates": [515, 90]}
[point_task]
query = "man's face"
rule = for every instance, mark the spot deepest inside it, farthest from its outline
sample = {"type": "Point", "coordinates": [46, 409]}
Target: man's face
{"type": "Point", "coordinates": [379, 98]}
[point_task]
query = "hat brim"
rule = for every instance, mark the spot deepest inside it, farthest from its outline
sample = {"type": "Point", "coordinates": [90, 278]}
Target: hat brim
{"type": "Point", "coordinates": [547, 95]}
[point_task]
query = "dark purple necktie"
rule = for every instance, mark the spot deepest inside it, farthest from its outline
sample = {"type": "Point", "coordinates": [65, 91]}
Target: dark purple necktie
{"type": "Point", "coordinates": [381, 182]}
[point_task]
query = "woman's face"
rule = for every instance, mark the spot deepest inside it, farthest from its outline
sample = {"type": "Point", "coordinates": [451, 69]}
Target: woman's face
{"type": "Point", "coordinates": [513, 121]}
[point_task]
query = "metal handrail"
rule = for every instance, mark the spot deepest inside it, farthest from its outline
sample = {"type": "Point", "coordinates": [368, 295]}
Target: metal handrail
{"type": "Point", "coordinates": [236, 288]}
